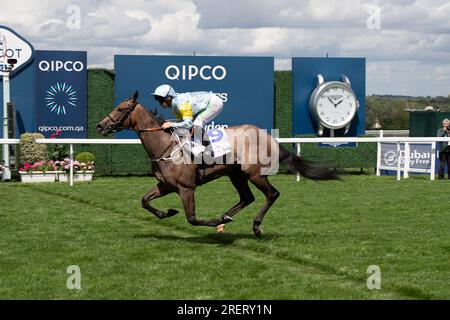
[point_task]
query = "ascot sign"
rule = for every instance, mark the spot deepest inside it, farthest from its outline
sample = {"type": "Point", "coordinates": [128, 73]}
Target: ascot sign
{"type": "Point", "coordinates": [15, 51]}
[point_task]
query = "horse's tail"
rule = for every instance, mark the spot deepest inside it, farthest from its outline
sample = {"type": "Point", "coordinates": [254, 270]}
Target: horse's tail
{"type": "Point", "coordinates": [306, 168]}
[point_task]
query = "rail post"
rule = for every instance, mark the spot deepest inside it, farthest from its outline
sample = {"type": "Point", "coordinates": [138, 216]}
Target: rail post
{"type": "Point", "coordinates": [71, 165]}
{"type": "Point", "coordinates": [407, 161]}
{"type": "Point", "coordinates": [379, 153]}
{"type": "Point", "coordinates": [298, 154]}
{"type": "Point", "coordinates": [398, 162]}
{"type": "Point", "coordinates": [433, 161]}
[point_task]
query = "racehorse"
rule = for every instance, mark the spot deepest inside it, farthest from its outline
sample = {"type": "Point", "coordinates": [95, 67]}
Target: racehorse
{"type": "Point", "coordinates": [183, 178]}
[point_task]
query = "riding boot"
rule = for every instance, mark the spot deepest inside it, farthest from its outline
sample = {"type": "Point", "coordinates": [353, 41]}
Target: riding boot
{"type": "Point", "coordinates": [198, 159]}
{"type": "Point", "coordinates": [206, 141]}
{"type": "Point", "coordinates": [208, 146]}
{"type": "Point", "coordinates": [197, 134]}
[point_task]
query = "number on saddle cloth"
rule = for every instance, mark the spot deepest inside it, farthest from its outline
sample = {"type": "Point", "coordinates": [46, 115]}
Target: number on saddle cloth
{"type": "Point", "coordinates": [219, 141]}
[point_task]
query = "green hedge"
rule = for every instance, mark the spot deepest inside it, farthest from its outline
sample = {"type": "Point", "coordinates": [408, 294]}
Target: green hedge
{"type": "Point", "coordinates": [132, 159]}
{"type": "Point", "coordinates": [362, 156]}
{"type": "Point", "coordinates": [110, 159]}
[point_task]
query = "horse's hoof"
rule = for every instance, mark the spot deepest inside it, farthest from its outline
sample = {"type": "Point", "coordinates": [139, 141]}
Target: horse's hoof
{"type": "Point", "coordinates": [258, 232]}
{"type": "Point", "coordinates": [171, 212]}
{"type": "Point", "coordinates": [220, 228]}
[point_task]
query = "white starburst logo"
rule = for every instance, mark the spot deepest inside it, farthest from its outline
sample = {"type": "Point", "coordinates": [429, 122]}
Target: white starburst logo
{"type": "Point", "coordinates": [59, 97]}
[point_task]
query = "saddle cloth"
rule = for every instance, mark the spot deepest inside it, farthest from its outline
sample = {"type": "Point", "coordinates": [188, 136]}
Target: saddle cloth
{"type": "Point", "coordinates": [219, 141]}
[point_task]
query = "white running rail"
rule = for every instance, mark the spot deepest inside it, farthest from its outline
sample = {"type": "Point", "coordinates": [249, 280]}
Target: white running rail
{"type": "Point", "coordinates": [296, 141]}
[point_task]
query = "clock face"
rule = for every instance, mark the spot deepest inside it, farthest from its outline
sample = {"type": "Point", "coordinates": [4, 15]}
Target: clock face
{"type": "Point", "coordinates": [336, 105]}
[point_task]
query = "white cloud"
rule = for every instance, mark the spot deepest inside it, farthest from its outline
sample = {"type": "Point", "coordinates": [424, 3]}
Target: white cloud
{"type": "Point", "coordinates": [411, 49]}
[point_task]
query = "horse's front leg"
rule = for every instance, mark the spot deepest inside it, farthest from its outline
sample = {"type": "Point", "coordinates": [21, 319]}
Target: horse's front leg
{"type": "Point", "coordinates": [157, 191]}
{"type": "Point", "coordinates": [188, 200]}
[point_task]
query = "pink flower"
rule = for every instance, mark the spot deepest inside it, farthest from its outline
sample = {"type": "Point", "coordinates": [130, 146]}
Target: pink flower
{"type": "Point", "coordinates": [52, 136]}
{"type": "Point", "coordinates": [58, 133]}
{"type": "Point", "coordinates": [66, 166]}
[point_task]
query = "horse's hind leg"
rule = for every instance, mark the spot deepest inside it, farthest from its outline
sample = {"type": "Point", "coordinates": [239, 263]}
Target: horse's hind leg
{"type": "Point", "coordinates": [240, 182]}
{"type": "Point", "coordinates": [263, 184]}
{"type": "Point", "coordinates": [157, 191]}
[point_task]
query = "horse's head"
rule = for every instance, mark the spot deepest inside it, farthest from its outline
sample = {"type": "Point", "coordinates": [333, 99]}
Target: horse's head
{"type": "Point", "coordinates": [119, 118]}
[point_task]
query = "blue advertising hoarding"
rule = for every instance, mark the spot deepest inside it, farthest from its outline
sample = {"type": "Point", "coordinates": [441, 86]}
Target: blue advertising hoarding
{"type": "Point", "coordinates": [304, 75]}
{"type": "Point", "coordinates": [61, 93]}
{"type": "Point", "coordinates": [245, 84]}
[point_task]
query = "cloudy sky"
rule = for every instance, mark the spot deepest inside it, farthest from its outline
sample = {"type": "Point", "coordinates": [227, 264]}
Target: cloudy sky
{"type": "Point", "coordinates": [406, 42]}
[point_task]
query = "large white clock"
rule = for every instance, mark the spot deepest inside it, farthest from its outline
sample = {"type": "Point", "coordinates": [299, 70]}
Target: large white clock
{"type": "Point", "coordinates": [333, 104]}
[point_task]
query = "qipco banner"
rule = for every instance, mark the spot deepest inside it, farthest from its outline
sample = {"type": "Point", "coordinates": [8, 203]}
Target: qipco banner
{"type": "Point", "coordinates": [61, 93]}
{"type": "Point", "coordinates": [245, 84]}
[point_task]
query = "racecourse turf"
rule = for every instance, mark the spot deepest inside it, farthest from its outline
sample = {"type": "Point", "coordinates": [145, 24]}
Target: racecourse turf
{"type": "Point", "coordinates": [319, 240]}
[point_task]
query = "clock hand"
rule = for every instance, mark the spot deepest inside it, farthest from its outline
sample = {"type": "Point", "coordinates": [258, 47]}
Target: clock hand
{"type": "Point", "coordinates": [332, 102]}
{"type": "Point", "coordinates": [339, 101]}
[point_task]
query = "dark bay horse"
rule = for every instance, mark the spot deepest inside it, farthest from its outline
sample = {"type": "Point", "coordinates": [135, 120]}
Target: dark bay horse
{"type": "Point", "coordinates": [244, 164]}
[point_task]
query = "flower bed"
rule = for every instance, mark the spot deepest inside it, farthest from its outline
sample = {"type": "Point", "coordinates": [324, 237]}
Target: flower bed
{"type": "Point", "coordinates": [82, 171]}
{"type": "Point", "coordinates": [34, 169]}
{"type": "Point", "coordinates": [38, 176]}
{"type": "Point", "coordinates": [41, 171]}
{"type": "Point", "coordinates": [78, 176]}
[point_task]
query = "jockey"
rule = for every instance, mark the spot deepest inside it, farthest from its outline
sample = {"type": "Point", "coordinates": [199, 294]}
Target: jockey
{"type": "Point", "coordinates": [195, 109]}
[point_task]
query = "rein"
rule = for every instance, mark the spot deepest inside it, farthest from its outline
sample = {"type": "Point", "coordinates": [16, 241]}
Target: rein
{"type": "Point", "coordinates": [161, 157]}
{"type": "Point", "coordinates": [149, 130]}
{"type": "Point", "coordinates": [118, 125]}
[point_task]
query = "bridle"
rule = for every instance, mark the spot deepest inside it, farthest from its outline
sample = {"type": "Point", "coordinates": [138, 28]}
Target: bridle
{"type": "Point", "coordinates": [118, 124]}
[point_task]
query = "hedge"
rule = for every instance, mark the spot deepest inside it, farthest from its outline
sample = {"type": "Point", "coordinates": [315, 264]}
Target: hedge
{"type": "Point", "coordinates": [110, 159]}
{"type": "Point", "coordinates": [132, 159]}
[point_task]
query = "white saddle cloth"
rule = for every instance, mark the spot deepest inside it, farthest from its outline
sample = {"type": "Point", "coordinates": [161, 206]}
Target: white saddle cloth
{"type": "Point", "coordinates": [219, 142]}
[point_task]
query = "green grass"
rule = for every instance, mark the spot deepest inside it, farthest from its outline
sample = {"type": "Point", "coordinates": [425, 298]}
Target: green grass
{"type": "Point", "coordinates": [319, 240]}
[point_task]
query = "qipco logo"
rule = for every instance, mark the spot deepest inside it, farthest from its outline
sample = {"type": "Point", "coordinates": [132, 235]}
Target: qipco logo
{"type": "Point", "coordinates": [188, 72]}
{"type": "Point", "coordinates": [57, 65]}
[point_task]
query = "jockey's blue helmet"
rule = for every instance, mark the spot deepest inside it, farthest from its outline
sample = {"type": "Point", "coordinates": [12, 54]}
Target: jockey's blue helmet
{"type": "Point", "coordinates": [164, 91]}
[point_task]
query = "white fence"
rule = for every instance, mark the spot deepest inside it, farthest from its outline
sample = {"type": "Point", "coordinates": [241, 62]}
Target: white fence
{"type": "Point", "coordinates": [296, 141]}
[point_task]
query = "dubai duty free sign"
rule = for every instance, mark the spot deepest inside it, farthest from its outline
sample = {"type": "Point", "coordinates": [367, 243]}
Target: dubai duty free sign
{"type": "Point", "coordinates": [15, 51]}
